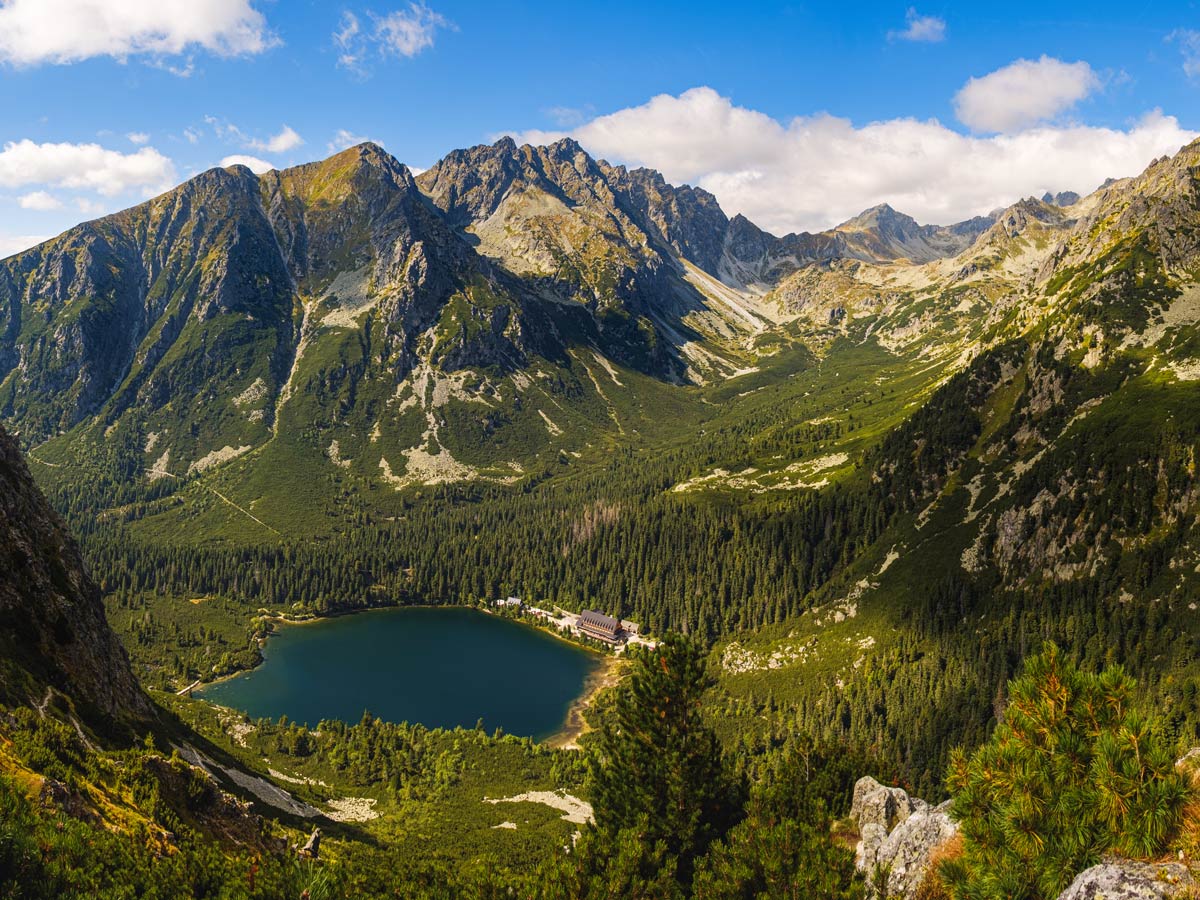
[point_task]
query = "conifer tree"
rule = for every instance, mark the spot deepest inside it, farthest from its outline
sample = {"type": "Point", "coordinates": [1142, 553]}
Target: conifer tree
{"type": "Point", "coordinates": [1070, 774]}
{"type": "Point", "coordinates": [657, 766]}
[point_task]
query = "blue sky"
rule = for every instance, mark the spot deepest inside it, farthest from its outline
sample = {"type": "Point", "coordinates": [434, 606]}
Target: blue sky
{"type": "Point", "coordinates": [796, 114]}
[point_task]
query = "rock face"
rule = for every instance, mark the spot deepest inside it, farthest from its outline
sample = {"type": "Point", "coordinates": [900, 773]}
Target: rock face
{"type": "Point", "coordinates": [881, 233]}
{"type": "Point", "coordinates": [1127, 880]}
{"type": "Point", "coordinates": [200, 326]}
{"type": "Point", "coordinates": [1062, 198]}
{"type": "Point", "coordinates": [53, 634]}
{"type": "Point", "coordinates": [875, 804]}
{"type": "Point", "coordinates": [899, 835]}
{"type": "Point", "coordinates": [200, 294]}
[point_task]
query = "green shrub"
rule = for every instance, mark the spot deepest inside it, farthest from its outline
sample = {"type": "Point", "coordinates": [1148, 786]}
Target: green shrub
{"type": "Point", "coordinates": [1071, 773]}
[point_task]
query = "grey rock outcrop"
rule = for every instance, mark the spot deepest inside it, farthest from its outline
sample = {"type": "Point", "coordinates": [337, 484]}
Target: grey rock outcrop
{"type": "Point", "coordinates": [312, 848]}
{"type": "Point", "coordinates": [54, 639]}
{"type": "Point", "coordinates": [1190, 761]}
{"type": "Point", "coordinates": [898, 837]}
{"type": "Point", "coordinates": [876, 804]}
{"type": "Point", "coordinates": [1127, 880]}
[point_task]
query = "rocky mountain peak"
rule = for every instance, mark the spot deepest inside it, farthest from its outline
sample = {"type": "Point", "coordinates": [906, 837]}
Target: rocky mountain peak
{"type": "Point", "coordinates": [239, 169]}
{"type": "Point", "coordinates": [565, 148]}
{"type": "Point", "coordinates": [883, 233]}
{"type": "Point", "coordinates": [1153, 211]}
{"type": "Point", "coordinates": [881, 217]}
{"type": "Point", "coordinates": [505, 144]}
{"type": "Point", "coordinates": [364, 168]}
{"type": "Point", "coordinates": [1062, 198]}
{"type": "Point", "coordinates": [687, 220]}
{"type": "Point", "coordinates": [746, 240]}
{"type": "Point", "coordinates": [469, 185]}
{"type": "Point", "coordinates": [369, 150]}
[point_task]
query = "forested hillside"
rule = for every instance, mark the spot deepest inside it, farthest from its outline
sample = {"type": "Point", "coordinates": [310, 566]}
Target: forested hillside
{"type": "Point", "coordinates": [870, 470]}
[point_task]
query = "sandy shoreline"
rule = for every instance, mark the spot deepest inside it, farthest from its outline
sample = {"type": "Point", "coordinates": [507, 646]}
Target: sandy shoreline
{"type": "Point", "coordinates": [612, 668]}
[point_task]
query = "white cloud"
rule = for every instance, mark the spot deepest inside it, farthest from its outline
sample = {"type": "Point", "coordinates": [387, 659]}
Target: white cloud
{"type": "Point", "coordinates": [83, 167]}
{"type": "Point", "coordinates": [226, 131]}
{"type": "Point", "coordinates": [253, 163]}
{"type": "Point", "coordinates": [182, 70]}
{"type": "Point", "coordinates": [929, 29]}
{"type": "Point", "coordinates": [405, 32]}
{"type": "Point", "coordinates": [347, 40]}
{"type": "Point", "coordinates": [67, 31]}
{"type": "Point", "coordinates": [89, 207]}
{"type": "Point", "coordinates": [344, 139]}
{"type": "Point", "coordinates": [566, 116]}
{"type": "Point", "coordinates": [191, 135]}
{"type": "Point", "coordinates": [1023, 93]}
{"type": "Point", "coordinates": [1189, 46]}
{"type": "Point", "coordinates": [287, 139]}
{"type": "Point", "coordinates": [813, 172]}
{"type": "Point", "coordinates": [40, 201]}
{"type": "Point", "coordinates": [12, 244]}
{"type": "Point", "coordinates": [138, 137]}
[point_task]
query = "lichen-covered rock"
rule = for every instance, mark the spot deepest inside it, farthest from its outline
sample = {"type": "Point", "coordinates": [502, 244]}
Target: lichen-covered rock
{"type": "Point", "coordinates": [1126, 880]}
{"type": "Point", "coordinates": [898, 837]}
{"type": "Point", "coordinates": [877, 804]}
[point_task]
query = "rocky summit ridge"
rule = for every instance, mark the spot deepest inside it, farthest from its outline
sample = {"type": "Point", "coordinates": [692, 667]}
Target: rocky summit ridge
{"type": "Point", "coordinates": [234, 311]}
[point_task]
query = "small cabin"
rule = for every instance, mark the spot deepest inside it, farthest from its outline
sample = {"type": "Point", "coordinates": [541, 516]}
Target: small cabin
{"type": "Point", "coordinates": [599, 626]}
{"type": "Point", "coordinates": [514, 602]}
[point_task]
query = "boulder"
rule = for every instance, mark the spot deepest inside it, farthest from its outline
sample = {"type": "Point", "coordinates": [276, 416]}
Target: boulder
{"type": "Point", "coordinates": [56, 795]}
{"type": "Point", "coordinates": [312, 849]}
{"type": "Point", "coordinates": [877, 804]}
{"type": "Point", "coordinates": [1190, 761]}
{"type": "Point", "coordinates": [898, 836]}
{"type": "Point", "coordinates": [1116, 879]}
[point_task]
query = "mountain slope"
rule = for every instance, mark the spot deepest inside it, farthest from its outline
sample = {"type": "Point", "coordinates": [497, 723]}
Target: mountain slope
{"type": "Point", "coordinates": [53, 634]}
{"type": "Point", "coordinates": [1065, 508]}
{"type": "Point", "coordinates": [180, 326]}
{"type": "Point", "coordinates": [129, 309]}
{"type": "Point", "coordinates": [627, 240]}
{"type": "Point", "coordinates": [463, 329]}
{"type": "Point", "coordinates": [579, 231]}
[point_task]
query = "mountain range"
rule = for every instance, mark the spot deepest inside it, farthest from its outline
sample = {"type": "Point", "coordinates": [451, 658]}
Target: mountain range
{"type": "Point", "coordinates": [521, 319]}
{"type": "Point", "coordinates": [186, 324]}
{"type": "Point", "coordinates": [871, 468]}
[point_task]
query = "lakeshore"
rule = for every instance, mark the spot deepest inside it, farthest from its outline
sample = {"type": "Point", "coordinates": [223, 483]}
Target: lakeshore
{"type": "Point", "coordinates": [610, 673]}
{"type": "Point", "coordinates": [442, 667]}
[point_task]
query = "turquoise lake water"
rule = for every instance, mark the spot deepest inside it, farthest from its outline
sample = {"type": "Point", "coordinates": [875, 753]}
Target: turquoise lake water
{"type": "Point", "coordinates": [436, 666]}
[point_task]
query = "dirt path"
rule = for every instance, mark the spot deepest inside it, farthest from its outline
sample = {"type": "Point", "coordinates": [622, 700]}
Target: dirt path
{"type": "Point", "coordinates": [243, 511]}
{"type": "Point", "coordinates": [163, 473]}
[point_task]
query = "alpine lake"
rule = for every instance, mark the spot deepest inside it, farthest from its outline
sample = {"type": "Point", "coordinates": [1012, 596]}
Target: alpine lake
{"type": "Point", "coordinates": [437, 666]}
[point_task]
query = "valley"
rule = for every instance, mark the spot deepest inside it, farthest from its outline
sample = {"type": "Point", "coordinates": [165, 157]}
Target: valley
{"type": "Point", "coordinates": [513, 440]}
{"type": "Point", "coordinates": [856, 479]}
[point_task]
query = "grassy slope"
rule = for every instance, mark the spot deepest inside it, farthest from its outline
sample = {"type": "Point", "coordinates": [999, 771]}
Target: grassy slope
{"type": "Point", "coordinates": [436, 808]}
{"type": "Point", "coordinates": [881, 642]}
